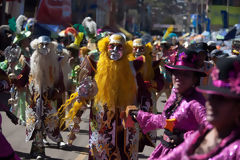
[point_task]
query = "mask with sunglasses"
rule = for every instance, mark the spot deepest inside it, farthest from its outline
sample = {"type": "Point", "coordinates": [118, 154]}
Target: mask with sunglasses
{"type": "Point", "coordinates": [138, 51]}
{"type": "Point", "coordinates": [138, 47]}
{"type": "Point", "coordinates": [43, 49]}
{"type": "Point", "coordinates": [115, 51]}
{"type": "Point", "coordinates": [43, 45]}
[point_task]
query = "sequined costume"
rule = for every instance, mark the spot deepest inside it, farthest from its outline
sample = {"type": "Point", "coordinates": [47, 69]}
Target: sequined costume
{"type": "Point", "coordinates": [50, 122]}
{"type": "Point", "coordinates": [189, 114]}
{"type": "Point", "coordinates": [228, 148]}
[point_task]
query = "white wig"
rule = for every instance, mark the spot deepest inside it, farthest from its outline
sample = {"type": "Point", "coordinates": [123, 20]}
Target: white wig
{"type": "Point", "coordinates": [89, 23]}
{"type": "Point", "coordinates": [44, 69]}
{"type": "Point", "coordinates": [20, 22]}
{"type": "Point", "coordinates": [65, 66]}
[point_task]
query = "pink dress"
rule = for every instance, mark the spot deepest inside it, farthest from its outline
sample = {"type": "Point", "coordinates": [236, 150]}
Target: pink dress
{"type": "Point", "coordinates": [228, 149]}
{"type": "Point", "coordinates": [6, 151]}
{"type": "Point", "coordinates": [190, 114]}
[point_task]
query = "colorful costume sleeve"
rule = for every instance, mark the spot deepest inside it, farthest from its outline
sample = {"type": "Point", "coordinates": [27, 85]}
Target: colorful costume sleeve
{"type": "Point", "coordinates": [199, 113]}
{"type": "Point", "coordinates": [148, 121]}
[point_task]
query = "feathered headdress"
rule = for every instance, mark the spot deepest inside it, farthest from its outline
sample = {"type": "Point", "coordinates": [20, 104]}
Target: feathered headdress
{"type": "Point", "coordinates": [90, 26]}
{"type": "Point", "coordinates": [20, 22]}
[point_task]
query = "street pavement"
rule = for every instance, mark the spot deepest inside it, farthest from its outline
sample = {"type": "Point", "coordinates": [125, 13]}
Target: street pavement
{"type": "Point", "coordinates": [15, 135]}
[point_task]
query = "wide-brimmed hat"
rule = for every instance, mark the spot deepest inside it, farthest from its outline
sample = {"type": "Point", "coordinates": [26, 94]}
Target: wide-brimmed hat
{"type": "Point", "coordinates": [138, 42]}
{"type": "Point", "coordinates": [225, 78]}
{"type": "Point", "coordinates": [187, 60]}
{"type": "Point", "coordinates": [117, 39]}
{"type": "Point", "coordinates": [199, 47]}
{"type": "Point", "coordinates": [21, 36]}
{"type": "Point", "coordinates": [217, 54]}
{"type": "Point", "coordinates": [73, 46]}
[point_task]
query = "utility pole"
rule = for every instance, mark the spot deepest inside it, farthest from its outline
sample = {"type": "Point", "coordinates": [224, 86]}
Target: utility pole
{"type": "Point", "coordinates": [228, 12]}
{"type": "Point", "coordinates": [202, 15]}
{"type": "Point", "coordinates": [3, 11]}
{"type": "Point", "coordinates": [197, 17]}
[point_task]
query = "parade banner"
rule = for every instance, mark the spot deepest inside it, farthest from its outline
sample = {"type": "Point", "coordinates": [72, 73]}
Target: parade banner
{"type": "Point", "coordinates": [57, 12]}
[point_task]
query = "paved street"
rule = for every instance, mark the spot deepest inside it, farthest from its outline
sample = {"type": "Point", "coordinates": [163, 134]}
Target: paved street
{"type": "Point", "coordinates": [79, 151]}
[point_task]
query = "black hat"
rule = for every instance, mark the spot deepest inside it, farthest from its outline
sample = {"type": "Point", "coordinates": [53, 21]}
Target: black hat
{"type": "Point", "coordinates": [218, 54]}
{"type": "Point", "coordinates": [199, 47]}
{"type": "Point", "coordinates": [225, 78]}
{"type": "Point", "coordinates": [186, 59]}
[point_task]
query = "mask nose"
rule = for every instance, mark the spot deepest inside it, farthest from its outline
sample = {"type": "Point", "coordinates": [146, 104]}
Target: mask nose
{"type": "Point", "coordinates": [115, 48]}
{"type": "Point", "coordinates": [44, 46]}
{"type": "Point", "coordinates": [138, 50]}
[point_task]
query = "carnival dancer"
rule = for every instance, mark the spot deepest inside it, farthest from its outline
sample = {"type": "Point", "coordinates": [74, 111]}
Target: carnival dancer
{"type": "Point", "coordinates": [45, 82]}
{"type": "Point", "coordinates": [86, 73]}
{"type": "Point", "coordinates": [221, 139]}
{"type": "Point", "coordinates": [18, 79]}
{"type": "Point", "coordinates": [86, 90]}
{"type": "Point", "coordinates": [23, 41]}
{"type": "Point", "coordinates": [6, 151]}
{"type": "Point", "coordinates": [184, 111]}
{"type": "Point", "coordinates": [168, 57]}
{"type": "Point", "coordinates": [157, 54]}
{"type": "Point", "coordinates": [149, 82]}
{"type": "Point", "coordinates": [87, 68]}
{"type": "Point", "coordinates": [116, 89]}
{"type": "Point", "coordinates": [202, 49]}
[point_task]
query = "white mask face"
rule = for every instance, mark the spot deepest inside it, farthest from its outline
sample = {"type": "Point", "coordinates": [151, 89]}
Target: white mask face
{"type": "Point", "coordinates": [116, 51]}
{"type": "Point", "coordinates": [43, 48]}
{"type": "Point", "coordinates": [138, 51]}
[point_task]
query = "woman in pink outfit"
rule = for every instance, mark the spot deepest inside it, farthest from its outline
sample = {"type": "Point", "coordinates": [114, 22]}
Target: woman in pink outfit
{"type": "Point", "coordinates": [221, 139]}
{"type": "Point", "coordinates": [184, 109]}
{"type": "Point", "coordinates": [6, 151]}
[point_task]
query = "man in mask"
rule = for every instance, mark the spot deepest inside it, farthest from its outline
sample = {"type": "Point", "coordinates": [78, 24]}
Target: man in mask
{"type": "Point", "coordinates": [45, 83]}
{"type": "Point", "coordinates": [116, 89]}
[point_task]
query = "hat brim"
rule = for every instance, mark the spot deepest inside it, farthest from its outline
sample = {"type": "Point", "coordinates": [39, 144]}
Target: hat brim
{"type": "Point", "coordinates": [73, 46]}
{"type": "Point", "coordinates": [200, 50]}
{"type": "Point", "coordinates": [185, 68]}
{"type": "Point", "coordinates": [210, 89]}
{"type": "Point", "coordinates": [25, 34]}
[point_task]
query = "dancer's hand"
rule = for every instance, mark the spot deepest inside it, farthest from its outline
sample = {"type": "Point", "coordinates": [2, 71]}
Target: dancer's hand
{"type": "Point", "coordinates": [132, 111]}
{"type": "Point", "coordinates": [87, 88]}
{"type": "Point", "coordinates": [128, 118]}
{"type": "Point", "coordinates": [12, 76]}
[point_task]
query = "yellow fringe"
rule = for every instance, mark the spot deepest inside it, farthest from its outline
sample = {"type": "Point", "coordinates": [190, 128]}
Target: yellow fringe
{"type": "Point", "coordinates": [148, 73]}
{"type": "Point", "coordinates": [73, 111]}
